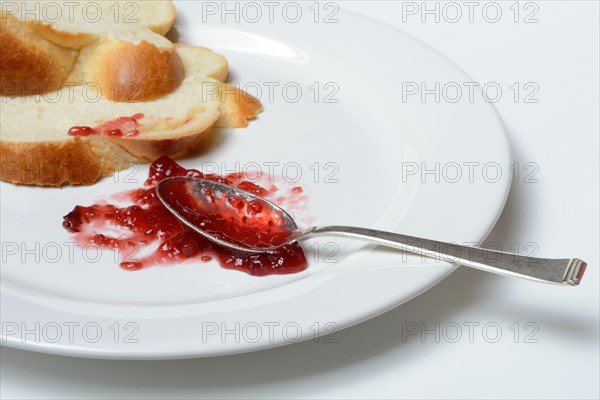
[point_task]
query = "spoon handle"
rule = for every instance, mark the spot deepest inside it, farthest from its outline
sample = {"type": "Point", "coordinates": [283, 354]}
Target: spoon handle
{"type": "Point", "coordinates": [563, 271]}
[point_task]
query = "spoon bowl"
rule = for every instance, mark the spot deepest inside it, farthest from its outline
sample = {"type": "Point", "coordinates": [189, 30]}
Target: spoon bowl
{"type": "Point", "coordinates": [171, 190]}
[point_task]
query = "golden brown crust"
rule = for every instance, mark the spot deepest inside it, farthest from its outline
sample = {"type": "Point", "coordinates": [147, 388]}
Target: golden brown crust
{"type": "Point", "coordinates": [138, 72]}
{"type": "Point", "coordinates": [71, 162]}
{"type": "Point", "coordinates": [30, 64]}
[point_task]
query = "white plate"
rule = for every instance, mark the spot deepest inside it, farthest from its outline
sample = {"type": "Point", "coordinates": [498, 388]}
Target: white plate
{"type": "Point", "coordinates": [70, 302]}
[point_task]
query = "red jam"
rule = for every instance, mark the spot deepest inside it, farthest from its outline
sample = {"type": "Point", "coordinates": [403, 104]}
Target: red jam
{"type": "Point", "coordinates": [147, 222]}
{"type": "Point", "coordinates": [123, 126]}
{"type": "Point", "coordinates": [247, 222]}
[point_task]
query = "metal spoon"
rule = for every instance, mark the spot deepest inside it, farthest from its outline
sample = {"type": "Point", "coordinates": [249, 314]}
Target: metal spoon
{"type": "Point", "coordinates": [561, 271]}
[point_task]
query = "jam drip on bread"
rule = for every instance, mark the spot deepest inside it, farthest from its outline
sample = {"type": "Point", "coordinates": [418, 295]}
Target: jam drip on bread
{"type": "Point", "coordinates": [122, 126]}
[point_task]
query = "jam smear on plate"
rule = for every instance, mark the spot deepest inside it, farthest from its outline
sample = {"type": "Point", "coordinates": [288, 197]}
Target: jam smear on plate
{"type": "Point", "coordinates": [145, 233]}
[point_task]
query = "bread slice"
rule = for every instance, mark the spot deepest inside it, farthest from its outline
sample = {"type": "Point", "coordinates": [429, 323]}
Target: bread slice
{"type": "Point", "coordinates": [120, 51]}
{"type": "Point", "coordinates": [73, 24]}
{"type": "Point", "coordinates": [132, 93]}
{"type": "Point", "coordinates": [36, 149]}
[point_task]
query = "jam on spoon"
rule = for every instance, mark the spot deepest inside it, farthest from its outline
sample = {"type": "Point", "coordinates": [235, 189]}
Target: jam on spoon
{"type": "Point", "coordinates": [243, 218]}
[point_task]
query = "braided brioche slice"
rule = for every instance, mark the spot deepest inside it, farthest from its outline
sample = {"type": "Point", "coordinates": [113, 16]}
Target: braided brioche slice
{"type": "Point", "coordinates": [36, 149]}
{"type": "Point", "coordinates": [121, 52]}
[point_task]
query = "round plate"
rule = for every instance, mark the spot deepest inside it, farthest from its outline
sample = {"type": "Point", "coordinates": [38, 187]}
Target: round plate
{"type": "Point", "coordinates": [364, 117]}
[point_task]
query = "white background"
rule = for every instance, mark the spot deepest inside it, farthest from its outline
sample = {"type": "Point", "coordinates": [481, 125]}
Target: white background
{"type": "Point", "coordinates": [560, 54]}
